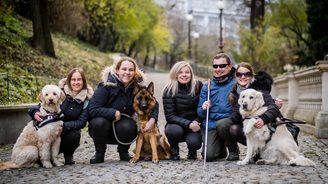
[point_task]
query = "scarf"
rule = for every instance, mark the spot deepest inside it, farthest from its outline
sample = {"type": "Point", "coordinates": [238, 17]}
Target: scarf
{"type": "Point", "coordinates": [225, 78]}
{"type": "Point", "coordinates": [240, 88]}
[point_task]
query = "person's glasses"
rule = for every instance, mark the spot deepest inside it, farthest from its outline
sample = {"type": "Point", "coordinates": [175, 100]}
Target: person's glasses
{"type": "Point", "coordinates": [221, 66]}
{"type": "Point", "coordinates": [246, 74]}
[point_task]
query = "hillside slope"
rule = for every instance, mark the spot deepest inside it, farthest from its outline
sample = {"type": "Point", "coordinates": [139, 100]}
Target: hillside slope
{"type": "Point", "coordinates": [24, 70]}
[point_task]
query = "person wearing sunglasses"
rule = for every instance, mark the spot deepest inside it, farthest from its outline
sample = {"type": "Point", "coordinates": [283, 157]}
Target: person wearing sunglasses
{"type": "Point", "coordinates": [219, 107]}
{"type": "Point", "coordinates": [231, 129]}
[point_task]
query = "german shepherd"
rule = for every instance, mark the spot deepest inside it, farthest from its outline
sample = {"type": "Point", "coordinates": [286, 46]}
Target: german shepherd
{"type": "Point", "coordinates": [149, 144]}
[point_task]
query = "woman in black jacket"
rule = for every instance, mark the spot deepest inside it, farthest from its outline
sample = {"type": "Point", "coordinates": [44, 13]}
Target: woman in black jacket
{"type": "Point", "coordinates": [78, 93]}
{"type": "Point", "coordinates": [111, 101]}
{"type": "Point", "coordinates": [233, 127]}
{"type": "Point", "coordinates": [180, 101]}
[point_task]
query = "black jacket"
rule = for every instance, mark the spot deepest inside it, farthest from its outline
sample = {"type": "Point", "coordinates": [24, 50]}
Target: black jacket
{"type": "Point", "coordinates": [263, 82]}
{"type": "Point", "coordinates": [112, 95]}
{"type": "Point", "coordinates": [76, 116]}
{"type": "Point", "coordinates": [182, 108]}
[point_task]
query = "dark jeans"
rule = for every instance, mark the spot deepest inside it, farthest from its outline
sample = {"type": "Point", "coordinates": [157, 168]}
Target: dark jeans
{"type": "Point", "coordinates": [102, 128]}
{"type": "Point", "coordinates": [70, 141]}
{"type": "Point", "coordinates": [175, 134]}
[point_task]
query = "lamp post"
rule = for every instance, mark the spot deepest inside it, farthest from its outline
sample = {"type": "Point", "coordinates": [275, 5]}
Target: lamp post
{"type": "Point", "coordinates": [196, 36]}
{"type": "Point", "coordinates": [189, 19]}
{"type": "Point", "coordinates": [220, 4]}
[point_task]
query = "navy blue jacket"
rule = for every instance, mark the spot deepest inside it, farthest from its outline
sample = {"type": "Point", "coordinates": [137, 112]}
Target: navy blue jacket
{"type": "Point", "coordinates": [112, 95]}
{"type": "Point", "coordinates": [76, 115]}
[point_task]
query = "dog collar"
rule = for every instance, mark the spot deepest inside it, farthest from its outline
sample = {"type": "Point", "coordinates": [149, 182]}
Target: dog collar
{"type": "Point", "coordinates": [48, 119]}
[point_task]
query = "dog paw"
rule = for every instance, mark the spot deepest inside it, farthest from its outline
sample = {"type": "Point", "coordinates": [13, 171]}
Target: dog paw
{"type": "Point", "coordinates": [260, 162]}
{"type": "Point", "coordinates": [155, 161]}
{"type": "Point", "coordinates": [133, 160]}
{"type": "Point", "coordinates": [58, 164]}
{"type": "Point", "coordinates": [47, 165]}
{"type": "Point", "coordinates": [241, 163]}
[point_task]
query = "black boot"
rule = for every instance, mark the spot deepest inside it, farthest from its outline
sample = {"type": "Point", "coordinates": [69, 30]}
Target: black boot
{"type": "Point", "coordinates": [192, 154]}
{"type": "Point", "coordinates": [123, 152]}
{"type": "Point", "coordinates": [233, 152]}
{"type": "Point", "coordinates": [69, 159]}
{"type": "Point", "coordinates": [100, 145]}
{"type": "Point", "coordinates": [124, 156]}
{"type": "Point", "coordinates": [175, 154]}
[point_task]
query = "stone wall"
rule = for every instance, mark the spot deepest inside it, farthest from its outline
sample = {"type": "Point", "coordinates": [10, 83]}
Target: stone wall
{"type": "Point", "coordinates": [305, 96]}
{"type": "Point", "coordinates": [13, 118]}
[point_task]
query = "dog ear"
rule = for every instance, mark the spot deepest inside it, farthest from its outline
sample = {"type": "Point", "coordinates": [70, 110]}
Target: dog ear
{"type": "Point", "coordinates": [240, 100]}
{"type": "Point", "coordinates": [259, 99]}
{"type": "Point", "coordinates": [150, 88]}
{"type": "Point", "coordinates": [62, 97]}
{"type": "Point", "coordinates": [41, 100]}
{"type": "Point", "coordinates": [136, 89]}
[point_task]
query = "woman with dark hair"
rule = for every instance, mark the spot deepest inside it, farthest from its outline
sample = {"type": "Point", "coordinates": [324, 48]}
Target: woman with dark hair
{"type": "Point", "coordinates": [78, 93]}
{"type": "Point", "coordinates": [232, 128]}
{"type": "Point", "coordinates": [109, 106]}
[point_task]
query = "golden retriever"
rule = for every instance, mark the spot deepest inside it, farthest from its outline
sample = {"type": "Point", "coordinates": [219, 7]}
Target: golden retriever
{"type": "Point", "coordinates": [38, 141]}
{"type": "Point", "coordinates": [281, 149]}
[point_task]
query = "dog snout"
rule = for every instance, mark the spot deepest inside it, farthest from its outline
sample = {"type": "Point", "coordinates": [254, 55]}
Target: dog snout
{"type": "Point", "coordinates": [245, 106]}
{"type": "Point", "coordinates": [143, 105]}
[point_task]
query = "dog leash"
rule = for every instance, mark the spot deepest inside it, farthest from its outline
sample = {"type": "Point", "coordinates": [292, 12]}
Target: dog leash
{"type": "Point", "coordinates": [138, 128]}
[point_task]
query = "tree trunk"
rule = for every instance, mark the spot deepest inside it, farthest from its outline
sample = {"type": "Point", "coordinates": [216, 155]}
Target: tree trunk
{"type": "Point", "coordinates": [147, 55]}
{"type": "Point", "coordinates": [41, 29]}
{"type": "Point", "coordinates": [257, 13]}
{"type": "Point", "coordinates": [104, 38]}
{"type": "Point", "coordinates": [154, 61]}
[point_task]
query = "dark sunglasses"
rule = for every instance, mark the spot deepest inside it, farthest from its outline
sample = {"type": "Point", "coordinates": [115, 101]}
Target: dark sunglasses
{"type": "Point", "coordinates": [221, 66]}
{"type": "Point", "coordinates": [246, 74]}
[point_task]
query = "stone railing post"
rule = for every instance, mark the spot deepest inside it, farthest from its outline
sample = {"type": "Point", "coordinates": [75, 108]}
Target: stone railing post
{"type": "Point", "coordinates": [321, 121]}
{"type": "Point", "coordinates": [293, 93]}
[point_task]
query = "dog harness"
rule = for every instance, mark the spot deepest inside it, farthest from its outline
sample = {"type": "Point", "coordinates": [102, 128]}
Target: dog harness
{"type": "Point", "coordinates": [48, 119]}
{"type": "Point", "coordinates": [272, 129]}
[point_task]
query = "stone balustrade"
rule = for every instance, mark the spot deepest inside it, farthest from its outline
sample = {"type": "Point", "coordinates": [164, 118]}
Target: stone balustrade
{"type": "Point", "coordinates": [305, 96]}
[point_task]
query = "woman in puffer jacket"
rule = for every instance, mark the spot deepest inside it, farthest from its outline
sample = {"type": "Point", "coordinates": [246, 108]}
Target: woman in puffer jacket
{"type": "Point", "coordinates": [78, 94]}
{"type": "Point", "coordinates": [180, 101]}
{"type": "Point", "coordinates": [113, 97]}
{"type": "Point", "coordinates": [233, 127]}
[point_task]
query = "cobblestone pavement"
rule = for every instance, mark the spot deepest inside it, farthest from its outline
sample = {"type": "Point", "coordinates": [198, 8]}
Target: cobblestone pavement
{"type": "Point", "coordinates": [183, 171]}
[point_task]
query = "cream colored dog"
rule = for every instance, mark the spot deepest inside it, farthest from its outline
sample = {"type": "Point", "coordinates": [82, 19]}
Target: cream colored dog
{"type": "Point", "coordinates": [281, 149]}
{"type": "Point", "coordinates": [38, 141]}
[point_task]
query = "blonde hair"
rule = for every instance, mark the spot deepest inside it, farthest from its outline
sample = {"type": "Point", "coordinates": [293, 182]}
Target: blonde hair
{"type": "Point", "coordinates": [137, 74]}
{"type": "Point", "coordinates": [172, 85]}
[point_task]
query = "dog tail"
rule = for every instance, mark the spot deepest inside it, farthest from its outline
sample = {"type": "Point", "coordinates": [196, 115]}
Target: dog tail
{"type": "Point", "coordinates": [8, 165]}
{"type": "Point", "coordinates": [302, 161]}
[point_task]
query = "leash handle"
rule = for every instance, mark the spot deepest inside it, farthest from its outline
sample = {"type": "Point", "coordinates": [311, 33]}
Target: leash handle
{"type": "Point", "coordinates": [138, 128]}
{"type": "Point", "coordinates": [207, 114]}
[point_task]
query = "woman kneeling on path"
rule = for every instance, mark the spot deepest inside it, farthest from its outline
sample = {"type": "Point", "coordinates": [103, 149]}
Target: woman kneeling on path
{"type": "Point", "coordinates": [78, 93]}
{"type": "Point", "coordinates": [180, 100]}
{"type": "Point", "coordinates": [113, 97]}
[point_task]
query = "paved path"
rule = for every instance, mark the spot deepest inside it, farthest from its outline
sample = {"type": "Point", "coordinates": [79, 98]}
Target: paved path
{"type": "Point", "coordinates": [183, 171]}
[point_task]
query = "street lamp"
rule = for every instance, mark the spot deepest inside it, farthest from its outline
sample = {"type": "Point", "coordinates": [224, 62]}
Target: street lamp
{"type": "Point", "coordinates": [196, 36]}
{"type": "Point", "coordinates": [189, 19]}
{"type": "Point", "coordinates": [220, 4]}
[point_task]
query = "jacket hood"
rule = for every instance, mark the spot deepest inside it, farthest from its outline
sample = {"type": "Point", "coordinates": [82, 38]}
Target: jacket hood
{"type": "Point", "coordinates": [84, 94]}
{"type": "Point", "coordinates": [263, 81]}
{"type": "Point", "coordinates": [108, 78]}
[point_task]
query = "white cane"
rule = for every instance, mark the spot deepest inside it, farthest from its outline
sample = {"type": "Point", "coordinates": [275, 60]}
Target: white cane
{"type": "Point", "coordinates": [207, 113]}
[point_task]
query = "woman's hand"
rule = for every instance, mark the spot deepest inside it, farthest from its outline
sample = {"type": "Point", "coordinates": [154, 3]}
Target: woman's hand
{"type": "Point", "coordinates": [149, 125]}
{"type": "Point", "coordinates": [194, 126]}
{"type": "Point", "coordinates": [37, 116]}
{"type": "Point", "coordinates": [117, 116]}
{"type": "Point", "coordinates": [279, 102]}
{"type": "Point", "coordinates": [206, 104]}
{"type": "Point", "coordinates": [259, 123]}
